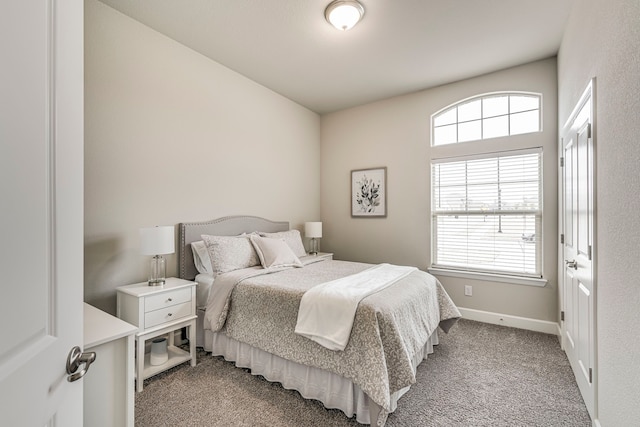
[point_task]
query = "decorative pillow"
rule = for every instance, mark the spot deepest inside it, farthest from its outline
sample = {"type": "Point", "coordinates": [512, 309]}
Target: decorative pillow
{"type": "Point", "coordinates": [228, 253]}
{"type": "Point", "coordinates": [201, 257]}
{"type": "Point", "coordinates": [292, 238]}
{"type": "Point", "coordinates": [274, 252]}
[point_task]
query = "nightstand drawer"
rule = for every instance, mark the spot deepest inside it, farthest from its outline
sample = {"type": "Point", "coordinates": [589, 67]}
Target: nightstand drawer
{"type": "Point", "coordinates": [168, 314]}
{"type": "Point", "coordinates": [167, 299]}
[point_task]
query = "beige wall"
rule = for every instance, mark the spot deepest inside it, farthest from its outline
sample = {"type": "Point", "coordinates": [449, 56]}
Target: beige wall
{"type": "Point", "coordinates": [395, 133]}
{"type": "Point", "coordinates": [602, 40]}
{"type": "Point", "coordinates": [172, 136]}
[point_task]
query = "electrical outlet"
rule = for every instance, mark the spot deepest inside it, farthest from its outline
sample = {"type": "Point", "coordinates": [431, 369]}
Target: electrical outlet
{"type": "Point", "coordinates": [468, 290]}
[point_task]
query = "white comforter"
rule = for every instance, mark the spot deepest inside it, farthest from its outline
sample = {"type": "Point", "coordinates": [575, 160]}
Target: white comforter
{"type": "Point", "coordinates": [327, 310]}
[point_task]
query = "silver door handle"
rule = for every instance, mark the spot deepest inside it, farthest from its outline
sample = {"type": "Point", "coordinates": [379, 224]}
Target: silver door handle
{"type": "Point", "coordinates": [571, 264]}
{"type": "Point", "coordinates": [75, 359]}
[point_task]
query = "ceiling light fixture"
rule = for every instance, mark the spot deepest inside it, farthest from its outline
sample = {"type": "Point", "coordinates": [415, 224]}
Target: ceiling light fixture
{"type": "Point", "coordinates": [344, 14]}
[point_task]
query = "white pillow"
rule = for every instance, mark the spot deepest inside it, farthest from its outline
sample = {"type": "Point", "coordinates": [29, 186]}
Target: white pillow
{"type": "Point", "coordinates": [274, 252]}
{"type": "Point", "coordinates": [292, 238]}
{"type": "Point", "coordinates": [201, 257]}
{"type": "Point", "coordinates": [228, 253]}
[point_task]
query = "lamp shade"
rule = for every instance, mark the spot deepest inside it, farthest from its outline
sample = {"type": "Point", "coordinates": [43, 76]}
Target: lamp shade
{"type": "Point", "coordinates": [344, 14]}
{"type": "Point", "coordinates": [313, 229]}
{"type": "Point", "coordinates": [157, 240]}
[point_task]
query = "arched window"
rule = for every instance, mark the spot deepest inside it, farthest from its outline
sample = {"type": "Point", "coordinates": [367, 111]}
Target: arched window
{"type": "Point", "coordinates": [486, 206]}
{"type": "Point", "coordinates": [487, 116]}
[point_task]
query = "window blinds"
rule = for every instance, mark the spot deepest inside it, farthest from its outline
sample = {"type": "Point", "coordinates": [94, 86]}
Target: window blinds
{"type": "Point", "coordinates": [487, 213]}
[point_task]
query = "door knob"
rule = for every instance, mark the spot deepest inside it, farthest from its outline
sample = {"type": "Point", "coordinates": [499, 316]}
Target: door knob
{"type": "Point", "coordinates": [571, 264]}
{"type": "Point", "coordinates": [75, 359]}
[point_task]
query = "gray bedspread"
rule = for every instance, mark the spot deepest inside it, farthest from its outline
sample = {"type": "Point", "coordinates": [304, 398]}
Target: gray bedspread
{"type": "Point", "coordinates": [390, 326]}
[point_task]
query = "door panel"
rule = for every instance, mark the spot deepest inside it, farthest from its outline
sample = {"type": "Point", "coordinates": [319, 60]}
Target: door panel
{"type": "Point", "coordinates": [584, 315]}
{"type": "Point", "coordinates": [41, 162]}
{"type": "Point", "coordinates": [582, 184]}
{"type": "Point", "coordinates": [569, 201]}
{"type": "Point", "coordinates": [569, 319]}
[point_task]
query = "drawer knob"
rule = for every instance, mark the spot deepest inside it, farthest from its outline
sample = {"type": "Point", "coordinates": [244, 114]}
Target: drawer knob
{"type": "Point", "coordinates": [170, 299]}
{"type": "Point", "coordinates": [170, 314]}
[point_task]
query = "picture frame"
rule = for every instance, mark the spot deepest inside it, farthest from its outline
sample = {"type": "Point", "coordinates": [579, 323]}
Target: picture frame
{"type": "Point", "coordinates": [369, 193]}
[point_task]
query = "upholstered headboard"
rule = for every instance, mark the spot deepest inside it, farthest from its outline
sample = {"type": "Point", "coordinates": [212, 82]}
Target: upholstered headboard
{"type": "Point", "coordinates": [228, 226]}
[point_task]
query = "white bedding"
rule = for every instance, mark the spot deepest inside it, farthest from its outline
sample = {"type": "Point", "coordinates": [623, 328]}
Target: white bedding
{"type": "Point", "coordinates": [202, 290]}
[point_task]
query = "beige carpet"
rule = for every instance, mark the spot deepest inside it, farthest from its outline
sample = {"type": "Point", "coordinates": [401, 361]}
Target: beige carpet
{"type": "Point", "coordinates": [479, 375]}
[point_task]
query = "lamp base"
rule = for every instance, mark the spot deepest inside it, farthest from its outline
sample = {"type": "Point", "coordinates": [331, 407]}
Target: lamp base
{"type": "Point", "coordinates": [157, 271]}
{"type": "Point", "coordinates": [314, 246]}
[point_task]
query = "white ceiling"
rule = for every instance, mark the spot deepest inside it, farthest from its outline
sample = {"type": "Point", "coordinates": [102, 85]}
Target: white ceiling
{"type": "Point", "coordinates": [400, 46]}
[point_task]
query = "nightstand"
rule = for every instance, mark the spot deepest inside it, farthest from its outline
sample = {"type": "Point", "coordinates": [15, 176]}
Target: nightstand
{"type": "Point", "coordinates": [159, 310]}
{"type": "Point", "coordinates": [317, 257]}
{"type": "Point", "coordinates": [322, 255]}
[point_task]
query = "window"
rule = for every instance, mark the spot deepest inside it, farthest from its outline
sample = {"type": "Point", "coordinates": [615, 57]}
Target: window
{"type": "Point", "coordinates": [487, 213]}
{"type": "Point", "coordinates": [487, 116]}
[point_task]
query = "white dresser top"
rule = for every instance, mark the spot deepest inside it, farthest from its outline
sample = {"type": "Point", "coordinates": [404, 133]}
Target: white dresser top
{"type": "Point", "coordinates": [101, 327]}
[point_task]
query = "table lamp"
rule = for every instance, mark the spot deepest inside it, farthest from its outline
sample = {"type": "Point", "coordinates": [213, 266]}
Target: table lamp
{"type": "Point", "coordinates": [314, 231]}
{"type": "Point", "coordinates": [157, 241]}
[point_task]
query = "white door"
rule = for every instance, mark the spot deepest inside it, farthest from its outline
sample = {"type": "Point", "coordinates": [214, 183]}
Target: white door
{"type": "Point", "coordinates": [578, 248]}
{"type": "Point", "coordinates": [41, 199]}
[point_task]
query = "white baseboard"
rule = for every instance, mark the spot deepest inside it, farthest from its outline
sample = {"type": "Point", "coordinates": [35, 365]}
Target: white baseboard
{"type": "Point", "coordinates": [513, 321]}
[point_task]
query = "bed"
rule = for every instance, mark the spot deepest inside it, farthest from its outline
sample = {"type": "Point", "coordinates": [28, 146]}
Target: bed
{"type": "Point", "coordinates": [248, 315]}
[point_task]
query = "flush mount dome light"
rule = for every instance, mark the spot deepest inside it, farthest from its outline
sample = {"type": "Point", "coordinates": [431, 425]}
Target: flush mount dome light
{"type": "Point", "coordinates": [344, 14]}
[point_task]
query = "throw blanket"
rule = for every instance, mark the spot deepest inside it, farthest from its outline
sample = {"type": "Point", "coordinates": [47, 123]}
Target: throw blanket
{"type": "Point", "coordinates": [327, 310]}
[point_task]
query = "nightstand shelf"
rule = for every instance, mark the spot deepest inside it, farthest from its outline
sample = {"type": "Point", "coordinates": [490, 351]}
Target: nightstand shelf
{"type": "Point", "coordinates": [157, 311]}
{"type": "Point", "coordinates": [176, 357]}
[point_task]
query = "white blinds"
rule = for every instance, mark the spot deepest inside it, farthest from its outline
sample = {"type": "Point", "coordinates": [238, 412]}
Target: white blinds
{"type": "Point", "coordinates": [487, 213]}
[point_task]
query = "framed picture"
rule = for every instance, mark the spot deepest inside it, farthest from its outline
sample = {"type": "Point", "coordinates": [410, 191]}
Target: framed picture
{"type": "Point", "coordinates": [369, 192]}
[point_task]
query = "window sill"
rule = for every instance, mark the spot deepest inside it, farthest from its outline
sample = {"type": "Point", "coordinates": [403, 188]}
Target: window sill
{"type": "Point", "coordinates": [488, 277]}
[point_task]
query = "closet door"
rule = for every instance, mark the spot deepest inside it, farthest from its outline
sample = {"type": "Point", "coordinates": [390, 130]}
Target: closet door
{"type": "Point", "coordinates": [578, 248]}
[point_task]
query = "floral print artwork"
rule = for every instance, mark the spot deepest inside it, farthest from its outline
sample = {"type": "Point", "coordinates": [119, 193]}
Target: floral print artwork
{"type": "Point", "coordinates": [368, 198]}
{"type": "Point", "coordinates": [368, 192]}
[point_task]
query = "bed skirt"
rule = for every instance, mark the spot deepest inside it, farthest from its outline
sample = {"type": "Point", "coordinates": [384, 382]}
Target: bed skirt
{"type": "Point", "coordinates": [333, 390]}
